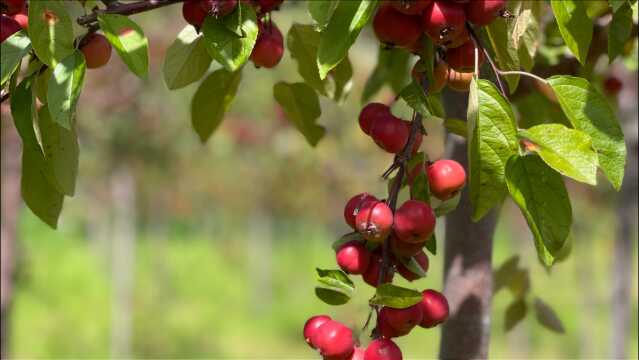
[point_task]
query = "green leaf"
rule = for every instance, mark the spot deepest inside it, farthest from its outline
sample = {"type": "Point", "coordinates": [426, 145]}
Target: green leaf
{"type": "Point", "coordinates": [64, 87]}
{"type": "Point", "coordinates": [431, 244]}
{"type": "Point", "coordinates": [13, 49]}
{"type": "Point", "coordinates": [515, 313]}
{"type": "Point", "coordinates": [37, 191]}
{"type": "Point", "coordinates": [392, 68]}
{"type": "Point", "coordinates": [395, 296]}
{"type": "Point", "coordinates": [301, 107]}
{"type": "Point", "coordinates": [186, 59]}
{"type": "Point", "coordinates": [211, 100]}
{"type": "Point", "coordinates": [61, 152]}
{"type": "Point", "coordinates": [448, 206]}
{"type": "Point", "coordinates": [340, 33]}
{"type": "Point", "coordinates": [341, 77]}
{"type": "Point", "coordinates": [506, 53]}
{"type": "Point", "coordinates": [420, 189]}
{"type": "Point", "coordinates": [615, 5]}
{"type": "Point", "coordinates": [574, 25]}
{"type": "Point", "coordinates": [226, 46]}
{"type": "Point", "coordinates": [334, 287]}
{"type": "Point", "coordinates": [413, 266]}
{"type": "Point", "coordinates": [346, 238]}
{"type": "Point", "coordinates": [541, 195]}
{"type": "Point", "coordinates": [456, 126]}
{"type": "Point", "coordinates": [547, 317]}
{"type": "Point", "coordinates": [492, 138]}
{"type": "Point", "coordinates": [568, 151]}
{"type": "Point", "coordinates": [619, 31]}
{"type": "Point", "coordinates": [128, 40]}
{"type": "Point", "coordinates": [590, 112]}
{"type": "Point", "coordinates": [414, 96]}
{"type": "Point", "coordinates": [50, 30]}
{"type": "Point", "coordinates": [302, 42]}
{"type": "Point", "coordinates": [321, 11]}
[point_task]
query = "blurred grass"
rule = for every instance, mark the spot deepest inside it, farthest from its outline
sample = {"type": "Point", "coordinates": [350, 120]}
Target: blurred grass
{"type": "Point", "coordinates": [195, 297]}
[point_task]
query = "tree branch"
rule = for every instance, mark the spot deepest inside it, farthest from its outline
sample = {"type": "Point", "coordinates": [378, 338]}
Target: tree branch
{"type": "Point", "coordinates": [125, 9]}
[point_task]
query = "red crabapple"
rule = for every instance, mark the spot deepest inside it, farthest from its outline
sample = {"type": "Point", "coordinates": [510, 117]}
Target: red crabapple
{"type": "Point", "coordinates": [435, 308]}
{"type": "Point", "coordinates": [371, 276]}
{"type": "Point", "coordinates": [353, 205]}
{"type": "Point", "coordinates": [269, 47]}
{"type": "Point", "coordinates": [443, 21]}
{"type": "Point", "coordinates": [459, 81]}
{"type": "Point", "coordinates": [370, 113]}
{"type": "Point", "coordinates": [483, 12]}
{"type": "Point", "coordinates": [405, 249]}
{"type": "Point", "coordinates": [358, 353]}
{"type": "Point", "coordinates": [446, 178]}
{"type": "Point", "coordinates": [194, 12]}
{"type": "Point", "coordinates": [312, 325]}
{"type": "Point", "coordinates": [374, 220]}
{"type": "Point", "coordinates": [422, 261]}
{"type": "Point", "coordinates": [353, 257]}
{"type": "Point", "coordinates": [463, 58]}
{"type": "Point", "coordinates": [22, 18]}
{"type": "Point", "coordinates": [402, 320]}
{"type": "Point", "coordinates": [395, 28]}
{"type": "Point", "coordinates": [334, 340]}
{"type": "Point", "coordinates": [382, 349]}
{"type": "Point", "coordinates": [96, 49]}
{"type": "Point", "coordinates": [414, 221]}
{"type": "Point", "coordinates": [390, 134]}
{"type": "Point", "coordinates": [8, 27]}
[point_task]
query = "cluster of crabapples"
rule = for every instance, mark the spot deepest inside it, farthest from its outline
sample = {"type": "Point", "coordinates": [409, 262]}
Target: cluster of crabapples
{"type": "Point", "coordinates": [407, 230]}
{"type": "Point", "coordinates": [269, 46]}
{"type": "Point", "coordinates": [405, 23]}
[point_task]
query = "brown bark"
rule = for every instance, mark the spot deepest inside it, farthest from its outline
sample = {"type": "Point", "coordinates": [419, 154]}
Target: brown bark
{"type": "Point", "coordinates": [467, 264]}
{"type": "Point", "coordinates": [10, 208]}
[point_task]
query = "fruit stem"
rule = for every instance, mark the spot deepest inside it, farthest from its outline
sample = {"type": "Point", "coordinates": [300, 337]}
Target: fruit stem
{"type": "Point", "coordinates": [523, 73]}
{"type": "Point", "coordinates": [478, 43]}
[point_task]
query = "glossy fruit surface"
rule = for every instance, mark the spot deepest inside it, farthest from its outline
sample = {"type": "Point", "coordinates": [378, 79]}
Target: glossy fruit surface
{"type": "Point", "coordinates": [269, 47]}
{"type": "Point", "coordinates": [402, 320]}
{"type": "Point", "coordinates": [414, 221]}
{"type": "Point", "coordinates": [8, 27]}
{"type": "Point", "coordinates": [443, 21]}
{"type": "Point", "coordinates": [334, 340]}
{"type": "Point", "coordinates": [434, 307]}
{"type": "Point", "coordinates": [312, 325]}
{"type": "Point", "coordinates": [374, 221]}
{"type": "Point", "coordinates": [370, 113]}
{"type": "Point", "coordinates": [97, 50]}
{"type": "Point", "coordinates": [483, 12]}
{"type": "Point", "coordinates": [395, 28]}
{"type": "Point", "coordinates": [353, 257]}
{"type": "Point", "coordinates": [193, 12]}
{"type": "Point", "coordinates": [353, 205]}
{"type": "Point", "coordinates": [390, 134]}
{"type": "Point", "coordinates": [446, 178]}
{"type": "Point", "coordinates": [463, 58]}
{"type": "Point", "coordinates": [371, 276]}
{"type": "Point", "coordinates": [383, 349]}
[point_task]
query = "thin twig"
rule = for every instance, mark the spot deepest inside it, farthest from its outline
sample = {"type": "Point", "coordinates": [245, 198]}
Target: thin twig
{"type": "Point", "coordinates": [523, 73]}
{"type": "Point", "coordinates": [125, 9]}
{"type": "Point", "coordinates": [479, 44]}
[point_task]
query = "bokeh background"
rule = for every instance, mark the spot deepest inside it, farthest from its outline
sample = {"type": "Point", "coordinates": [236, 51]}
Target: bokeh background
{"type": "Point", "coordinates": [175, 249]}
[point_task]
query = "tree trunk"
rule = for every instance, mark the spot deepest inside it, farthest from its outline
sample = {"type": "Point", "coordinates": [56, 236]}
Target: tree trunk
{"type": "Point", "coordinates": [468, 277]}
{"type": "Point", "coordinates": [622, 267]}
{"type": "Point", "coordinates": [123, 261]}
{"type": "Point", "coordinates": [8, 240]}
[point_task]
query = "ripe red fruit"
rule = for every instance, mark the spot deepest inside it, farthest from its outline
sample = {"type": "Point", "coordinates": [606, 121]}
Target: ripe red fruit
{"type": "Point", "coordinates": [358, 353]}
{"type": "Point", "coordinates": [459, 81]}
{"type": "Point", "coordinates": [374, 220]}
{"type": "Point", "coordinates": [193, 12]}
{"type": "Point", "coordinates": [8, 27]}
{"type": "Point", "coordinates": [269, 47]}
{"type": "Point", "coordinates": [22, 18]}
{"type": "Point", "coordinates": [414, 221]}
{"type": "Point", "coordinates": [312, 325]}
{"type": "Point", "coordinates": [422, 260]}
{"type": "Point", "coordinates": [382, 349]}
{"type": "Point", "coordinates": [385, 330]}
{"type": "Point", "coordinates": [434, 307]}
{"type": "Point", "coordinates": [612, 85]}
{"type": "Point", "coordinates": [483, 12]}
{"type": "Point", "coordinates": [96, 49]}
{"type": "Point", "coordinates": [13, 6]}
{"type": "Point", "coordinates": [371, 276]}
{"type": "Point", "coordinates": [410, 7]}
{"type": "Point", "coordinates": [405, 249]}
{"type": "Point", "coordinates": [463, 58]}
{"type": "Point", "coordinates": [354, 204]}
{"type": "Point", "coordinates": [395, 28]}
{"type": "Point", "coordinates": [353, 257]}
{"type": "Point", "coordinates": [370, 113]}
{"type": "Point", "coordinates": [440, 75]}
{"type": "Point", "coordinates": [402, 320]}
{"type": "Point", "coordinates": [443, 21]}
{"type": "Point", "coordinates": [446, 178]}
{"type": "Point", "coordinates": [333, 340]}
{"type": "Point", "coordinates": [390, 133]}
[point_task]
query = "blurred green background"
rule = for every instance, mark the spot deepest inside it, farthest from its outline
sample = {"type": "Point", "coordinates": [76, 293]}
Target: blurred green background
{"type": "Point", "coordinates": [221, 240]}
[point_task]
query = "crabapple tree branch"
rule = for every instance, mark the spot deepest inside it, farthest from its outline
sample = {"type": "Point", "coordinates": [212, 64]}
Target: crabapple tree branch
{"type": "Point", "coordinates": [125, 9]}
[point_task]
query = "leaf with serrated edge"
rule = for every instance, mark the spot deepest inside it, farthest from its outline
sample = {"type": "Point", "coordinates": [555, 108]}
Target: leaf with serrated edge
{"type": "Point", "coordinates": [590, 112]}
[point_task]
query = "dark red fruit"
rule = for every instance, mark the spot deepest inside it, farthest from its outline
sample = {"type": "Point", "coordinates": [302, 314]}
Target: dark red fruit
{"type": "Point", "coordinates": [390, 133]}
{"type": "Point", "coordinates": [382, 349]}
{"type": "Point", "coordinates": [374, 220]}
{"type": "Point", "coordinates": [463, 58]}
{"type": "Point", "coordinates": [334, 340]}
{"type": "Point", "coordinates": [446, 178]}
{"type": "Point", "coordinates": [385, 330]}
{"type": "Point", "coordinates": [312, 325]}
{"type": "Point", "coordinates": [371, 276]}
{"type": "Point", "coordinates": [410, 7]}
{"type": "Point", "coordinates": [414, 221]}
{"type": "Point", "coordinates": [8, 27]}
{"type": "Point", "coordinates": [422, 260]}
{"type": "Point", "coordinates": [96, 49]}
{"type": "Point", "coordinates": [443, 21]}
{"type": "Point", "coordinates": [269, 47]}
{"type": "Point", "coordinates": [22, 18]}
{"type": "Point", "coordinates": [353, 205]}
{"type": "Point", "coordinates": [612, 85]}
{"type": "Point", "coordinates": [13, 6]}
{"type": "Point", "coordinates": [405, 249]}
{"type": "Point", "coordinates": [358, 353]}
{"type": "Point", "coordinates": [353, 257]}
{"type": "Point", "coordinates": [417, 46]}
{"type": "Point", "coordinates": [395, 28]}
{"type": "Point", "coordinates": [440, 75]}
{"type": "Point", "coordinates": [370, 113]}
{"type": "Point", "coordinates": [459, 81]}
{"type": "Point", "coordinates": [193, 12]}
{"type": "Point", "coordinates": [483, 12]}
{"type": "Point", "coordinates": [402, 320]}
{"type": "Point", "coordinates": [434, 307]}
